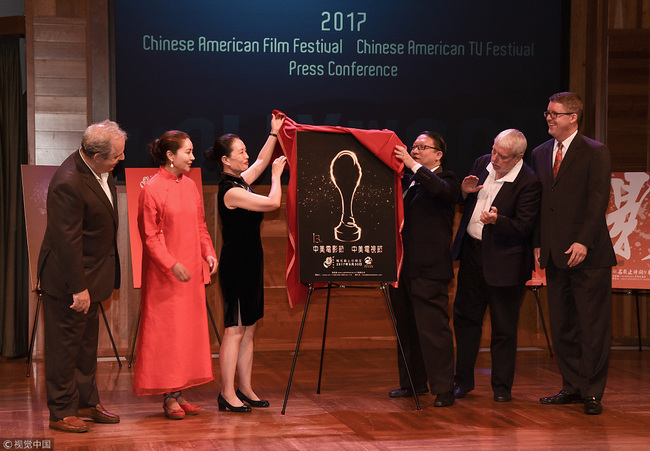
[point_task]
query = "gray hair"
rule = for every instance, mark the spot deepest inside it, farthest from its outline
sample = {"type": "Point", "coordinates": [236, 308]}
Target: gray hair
{"type": "Point", "coordinates": [512, 139]}
{"type": "Point", "coordinates": [97, 138]}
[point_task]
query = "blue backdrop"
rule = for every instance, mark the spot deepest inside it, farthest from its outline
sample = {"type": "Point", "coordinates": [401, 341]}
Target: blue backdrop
{"type": "Point", "coordinates": [467, 69]}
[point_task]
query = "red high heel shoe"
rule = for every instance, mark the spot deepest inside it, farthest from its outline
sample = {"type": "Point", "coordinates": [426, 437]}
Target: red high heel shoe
{"type": "Point", "coordinates": [173, 414]}
{"type": "Point", "coordinates": [189, 409]}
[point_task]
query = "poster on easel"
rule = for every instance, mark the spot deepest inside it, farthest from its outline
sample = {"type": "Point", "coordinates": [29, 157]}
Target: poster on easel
{"type": "Point", "coordinates": [628, 220]}
{"type": "Point", "coordinates": [346, 210]}
{"type": "Point", "coordinates": [36, 181]}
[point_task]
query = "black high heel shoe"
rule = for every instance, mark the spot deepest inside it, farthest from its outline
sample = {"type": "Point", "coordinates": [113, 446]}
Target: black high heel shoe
{"type": "Point", "coordinates": [246, 399]}
{"type": "Point", "coordinates": [223, 405]}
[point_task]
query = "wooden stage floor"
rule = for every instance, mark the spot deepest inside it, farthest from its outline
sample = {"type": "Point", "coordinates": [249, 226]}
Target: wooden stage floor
{"type": "Point", "coordinates": [353, 411]}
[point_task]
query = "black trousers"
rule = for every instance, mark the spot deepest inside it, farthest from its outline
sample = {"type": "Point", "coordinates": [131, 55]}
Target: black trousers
{"type": "Point", "coordinates": [70, 357]}
{"type": "Point", "coordinates": [580, 310]}
{"type": "Point", "coordinates": [420, 307]}
{"type": "Point", "coordinates": [473, 296]}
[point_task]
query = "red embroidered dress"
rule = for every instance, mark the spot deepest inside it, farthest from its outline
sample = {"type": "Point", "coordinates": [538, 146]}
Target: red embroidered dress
{"type": "Point", "coordinates": [173, 343]}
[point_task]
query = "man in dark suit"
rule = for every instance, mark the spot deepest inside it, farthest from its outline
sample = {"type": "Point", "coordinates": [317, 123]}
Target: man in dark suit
{"type": "Point", "coordinates": [78, 267]}
{"type": "Point", "coordinates": [420, 302]}
{"type": "Point", "coordinates": [494, 244]}
{"type": "Point", "coordinates": [574, 246]}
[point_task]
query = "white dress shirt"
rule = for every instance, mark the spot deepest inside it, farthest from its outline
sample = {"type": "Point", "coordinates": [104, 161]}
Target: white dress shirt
{"type": "Point", "coordinates": [491, 188]}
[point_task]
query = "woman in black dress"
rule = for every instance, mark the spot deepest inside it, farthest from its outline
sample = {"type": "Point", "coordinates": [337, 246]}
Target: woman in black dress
{"type": "Point", "coordinates": [241, 264]}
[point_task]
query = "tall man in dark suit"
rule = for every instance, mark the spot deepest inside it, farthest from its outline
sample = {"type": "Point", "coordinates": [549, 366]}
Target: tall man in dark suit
{"type": "Point", "coordinates": [78, 267]}
{"type": "Point", "coordinates": [420, 302]}
{"type": "Point", "coordinates": [494, 244]}
{"type": "Point", "coordinates": [574, 246]}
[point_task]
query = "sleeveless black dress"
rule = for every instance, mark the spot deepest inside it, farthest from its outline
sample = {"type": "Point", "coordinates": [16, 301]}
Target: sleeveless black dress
{"type": "Point", "coordinates": [241, 264]}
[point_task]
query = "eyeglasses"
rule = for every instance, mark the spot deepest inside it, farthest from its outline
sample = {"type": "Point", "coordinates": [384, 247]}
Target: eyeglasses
{"type": "Point", "coordinates": [554, 114]}
{"type": "Point", "coordinates": [421, 147]}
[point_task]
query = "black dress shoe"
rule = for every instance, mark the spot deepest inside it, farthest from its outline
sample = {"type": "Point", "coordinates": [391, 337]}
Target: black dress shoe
{"type": "Point", "coordinates": [502, 397]}
{"type": "Point", "coordinates": [223, 405]}
{"type": "Point", "coordinates": [564, 397]}
{"type": "Point", "coordinates": [99, 415]}
{"type": "Point", "coordinates": [405, 392]}
{"type": "Point", "coordinates": [445, 399]}
{"type": "Point", "coordinates": [593, 406]}
{"type": "Point", "coordinates": [252, 403]}
{"type": "Point", "coordinates": [460, 391]}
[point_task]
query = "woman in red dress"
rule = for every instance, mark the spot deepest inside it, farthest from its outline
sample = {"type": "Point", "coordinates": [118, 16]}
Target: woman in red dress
{"type": "Point", "coordinates": [174, 342]}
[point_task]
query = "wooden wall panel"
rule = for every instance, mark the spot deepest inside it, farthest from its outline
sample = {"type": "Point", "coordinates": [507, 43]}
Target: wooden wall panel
{"type": "Point", "coordinates": [62, 51]}
{"type": "Point", "coordinates": [60, 104]}
{"type": "Point", "coordinates": [628, 129]}
{"type": "Point", "coordinates": [58, 69]}
{"type": "Point", "coordinates": [60, 121]}
{"type": "Point", "coordinates": [59, 8]}
{"type": "Point", "coordinates": [66, 87]}
{"type": "Point", "coordinates": [623, 13]}
{"type": "Point", "coordinates": [61, 30]}
{"type": "Point", "coordinates": [58, 73]}
{"type": "Point", "coordinates": [628, 115]}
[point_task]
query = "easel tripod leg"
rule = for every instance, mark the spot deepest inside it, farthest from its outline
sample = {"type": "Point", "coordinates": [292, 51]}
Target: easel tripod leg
{"type": "Point", "coordinates": [638, 318]}
{"type": "Point", "coordinates": [135, 336]}
{"type": "Point", "coordinates": [295, 355]}
{"type": "Point", "coordinates": [541, 316]}
{"type": "Point", "coordinates": [322, 349]}
{"type": "Point", "coordinates": [399, 344]}
{"type": "Point", "coordinates": [33, 339]}
{"type": "Point", "coordinates": [110, 335]}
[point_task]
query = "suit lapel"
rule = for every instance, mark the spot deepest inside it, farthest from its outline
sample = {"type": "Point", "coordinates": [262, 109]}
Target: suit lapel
{"type": "Point", "coordinates": [113, 188]}
{"type": "Point", "coordinates": [483, 175]}
{"type": "Point", "coordinates": [470, 203]}
{"type": "Point", "coordinates": [504, 192]}
{"type": "Point", "coordinates": [408, 189]}
{"type": "Point", "coordinates": [96, 188]}
{"type": "Point", "coordinates": [545, 169]}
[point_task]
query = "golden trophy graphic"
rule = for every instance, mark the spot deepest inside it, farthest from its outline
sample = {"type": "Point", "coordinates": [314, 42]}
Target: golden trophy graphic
{"type": "Point", "coordinates": [345, 173]}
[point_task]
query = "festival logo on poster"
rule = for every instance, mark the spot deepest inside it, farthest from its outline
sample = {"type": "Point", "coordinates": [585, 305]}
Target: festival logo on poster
{"type": "Point", "coordinates": [346, 210]}
{"type": "Point", "coordinates": [628, 219]}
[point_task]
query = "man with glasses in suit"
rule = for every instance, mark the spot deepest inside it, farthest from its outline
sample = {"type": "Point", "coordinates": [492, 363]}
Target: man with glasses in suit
{"type": "Point", "coordinates": [573, 244]}
{"type": "Point", "coordinates": [420, 302]}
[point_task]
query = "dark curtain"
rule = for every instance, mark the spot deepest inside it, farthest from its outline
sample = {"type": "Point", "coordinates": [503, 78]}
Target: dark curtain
{"type": "Point", "coordinates": [14, 268]}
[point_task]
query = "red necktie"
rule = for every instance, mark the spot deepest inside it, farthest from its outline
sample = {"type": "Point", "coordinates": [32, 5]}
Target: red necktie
{"type": "Point", "coordinates": [558, 160]}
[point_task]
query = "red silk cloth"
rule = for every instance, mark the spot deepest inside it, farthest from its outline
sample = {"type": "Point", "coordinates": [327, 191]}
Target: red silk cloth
{"type": "Point", "coordinates": [381, 143]}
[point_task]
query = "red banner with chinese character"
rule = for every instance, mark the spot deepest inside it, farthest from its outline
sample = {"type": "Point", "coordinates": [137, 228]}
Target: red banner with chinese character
{"type": "Point", "coordinates": [628, 219]}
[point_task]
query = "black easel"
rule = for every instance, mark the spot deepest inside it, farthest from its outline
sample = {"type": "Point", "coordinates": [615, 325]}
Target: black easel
{"type": "Point", "coordinates": [34, 327]}
{"type": "Point", "coordinates": [329, 287]}
{"type": "Point", "coordinates": [137, 326]}
{"type": "Point", "coordinates": [535, 290]}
